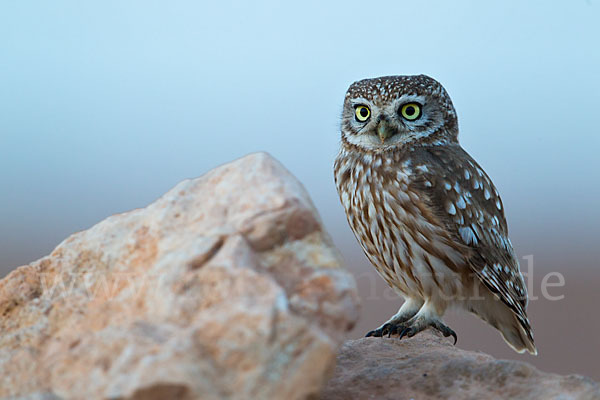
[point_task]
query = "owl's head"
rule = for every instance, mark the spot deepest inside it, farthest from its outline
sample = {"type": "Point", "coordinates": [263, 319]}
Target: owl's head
{"type": "Point", "coordinates": [396, 111]}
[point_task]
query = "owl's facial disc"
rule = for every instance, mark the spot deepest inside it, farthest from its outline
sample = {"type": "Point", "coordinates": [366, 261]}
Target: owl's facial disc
{"type": "Point", "coordinates": [396, 111]}
{"type": "Point", "coordinates": [377, 125]}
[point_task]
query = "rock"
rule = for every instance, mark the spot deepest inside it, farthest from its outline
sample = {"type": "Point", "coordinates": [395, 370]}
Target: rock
{"type": "Point", "coordinates": [225, 287]}
{"type": "Point", "coordinates": [428, 366]}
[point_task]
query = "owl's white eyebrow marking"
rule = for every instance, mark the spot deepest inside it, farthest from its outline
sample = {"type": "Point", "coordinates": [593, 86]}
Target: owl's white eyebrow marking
{"type": "Point", "coordinates": [360, 100]}
{"type": "Point", "coordinates": [406, 98]}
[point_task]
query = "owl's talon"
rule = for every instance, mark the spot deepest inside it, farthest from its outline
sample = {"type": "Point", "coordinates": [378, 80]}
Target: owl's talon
{"type": "Point", "coordinates": [386, 329]}
{"type": "Point", "coordinates": [446, 331]}
{"type": "Point", "coordinates": [392, 329]}
{"type": "Point", "coordinates": [404, 332]}
{"type": "Point", "coordinates": [375, 333]}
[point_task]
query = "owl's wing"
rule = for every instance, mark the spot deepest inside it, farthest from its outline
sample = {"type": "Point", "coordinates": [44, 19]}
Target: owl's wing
{"type": "Point", "coordinates": [464, 198]}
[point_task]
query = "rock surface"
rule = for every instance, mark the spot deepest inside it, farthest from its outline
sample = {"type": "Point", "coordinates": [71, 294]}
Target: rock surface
{"type": "Point", "coordinates": [428, 366]}
{"type": "Point", "coordinates": [225, 287]}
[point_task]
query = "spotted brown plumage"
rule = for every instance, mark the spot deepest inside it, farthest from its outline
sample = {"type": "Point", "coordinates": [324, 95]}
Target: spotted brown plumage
{"type": "Point", "coordinates": [425, 213]}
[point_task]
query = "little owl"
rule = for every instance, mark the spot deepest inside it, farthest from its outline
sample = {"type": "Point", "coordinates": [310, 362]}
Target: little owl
{"type": "Point", "coordinates": [427, 216]}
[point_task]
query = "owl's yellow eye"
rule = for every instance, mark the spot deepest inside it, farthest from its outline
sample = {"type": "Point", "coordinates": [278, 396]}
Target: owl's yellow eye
{"type": "Point", "coordinates": [410, 111]}
{"type": "Point", "coordinates": [362, 113]}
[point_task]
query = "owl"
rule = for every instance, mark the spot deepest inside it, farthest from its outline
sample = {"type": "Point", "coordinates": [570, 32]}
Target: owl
{"type": "Point", "coordinates": [425, 213]}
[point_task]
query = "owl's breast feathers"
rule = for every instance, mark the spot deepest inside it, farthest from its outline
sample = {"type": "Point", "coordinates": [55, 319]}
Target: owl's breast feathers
{"type": "Point", "coordinates": [430, 205]}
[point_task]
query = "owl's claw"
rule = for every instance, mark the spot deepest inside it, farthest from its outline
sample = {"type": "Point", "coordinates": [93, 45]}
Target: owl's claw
{"type": "Point", "coordinates": [446, 331]}
{"type": "Point", "coordinates": [381, 331]}
{"type": "Point", "coordinates": [389, 328]}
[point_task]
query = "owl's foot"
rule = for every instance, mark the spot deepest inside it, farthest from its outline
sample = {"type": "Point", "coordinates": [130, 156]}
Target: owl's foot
{"type": "Point", "coordinates": [409, 309]}
{"type": "Point", "coordinates": [420, 323]}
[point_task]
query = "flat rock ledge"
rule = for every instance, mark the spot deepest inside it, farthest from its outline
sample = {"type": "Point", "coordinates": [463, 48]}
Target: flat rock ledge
{"type": "Point", "coordinates": [428, 366]}
{"type": "Point", "coordinates": [225, 287]}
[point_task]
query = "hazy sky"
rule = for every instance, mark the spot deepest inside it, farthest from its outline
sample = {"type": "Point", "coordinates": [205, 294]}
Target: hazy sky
{"type": "Point", "coordinates": [106, 105]}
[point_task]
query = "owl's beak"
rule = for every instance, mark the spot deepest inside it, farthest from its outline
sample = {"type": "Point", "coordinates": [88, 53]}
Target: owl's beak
{"type": "Point", "coordinates": [385, 130]}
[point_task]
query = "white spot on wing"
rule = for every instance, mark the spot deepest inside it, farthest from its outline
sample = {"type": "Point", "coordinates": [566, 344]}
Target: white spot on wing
{"type": "Point", "coordinates": [486, 194]}
{"type": "Point", "coordinates": [467, 235]}
{"type": "Point", "coordinates": [460, 203]}
{"type": "Point", "coordinates": [450, 208]}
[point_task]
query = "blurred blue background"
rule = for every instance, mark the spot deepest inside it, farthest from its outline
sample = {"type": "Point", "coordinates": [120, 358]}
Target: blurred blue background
{"type": "Point", "coordinates": [106, 105]}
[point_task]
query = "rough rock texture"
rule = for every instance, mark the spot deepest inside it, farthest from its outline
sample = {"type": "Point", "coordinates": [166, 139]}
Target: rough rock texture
{"type": "Point", "coordinates": [428, 366]}
{"type": "Point", "coordinates": [225, 287]}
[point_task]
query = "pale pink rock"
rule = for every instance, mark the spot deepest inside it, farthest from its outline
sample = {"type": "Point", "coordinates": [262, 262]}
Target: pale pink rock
{"type": "Point", "coordinates": [225, 287]}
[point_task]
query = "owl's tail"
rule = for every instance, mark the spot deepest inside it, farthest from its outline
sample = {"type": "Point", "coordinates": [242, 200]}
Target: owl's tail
{"type": "Point", "coordinates": [518, 334]}
{"type": "Point", "coordinates": [515, 328]}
